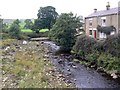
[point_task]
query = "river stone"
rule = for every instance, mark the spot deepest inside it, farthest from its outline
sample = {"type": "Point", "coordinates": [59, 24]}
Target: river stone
{"type": "Point", "coordinates": [70, 63]}
{"type": "Point", "coordinates": [60, 75]}
{"type": "Point", "coordinates": [68, 69]}
{"type": "Point", "coordinates": [24, 42]}
{"type": "Point", "coordinates": [46, 56]}
{"type": "Point", "coordinates": [69, 73]}
{"type": "Point", "coordinates": [76, 61]}
{"type": "Point", "coordinates": [41, 42]}
{"type": "Point", "coordinates": [45, 59]}
{"type": "Point", "coordinates": [60, 61]}
{"type": "Point", "coordinates": [75, 80]}
{"type": "Point", "coordinates": [55, 57]}
{"type": "Point", "coordinates": [68, 81]}
{"type": "Point", "coordinates": [7, 48]}
{"type": "Point", "coordinates": [75, 67]}
{"type": "Point", "coordinates": [114, 75]}
{"type": "Point", "coordinates": [5, 79]}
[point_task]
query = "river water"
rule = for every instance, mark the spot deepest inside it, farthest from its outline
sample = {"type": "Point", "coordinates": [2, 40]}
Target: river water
{"type": "Point", "coordinates": [78, 74]}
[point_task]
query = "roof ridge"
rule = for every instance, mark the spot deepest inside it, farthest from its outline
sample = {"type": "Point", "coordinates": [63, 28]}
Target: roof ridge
{"type": "Point", "coordinates": [104, 12]}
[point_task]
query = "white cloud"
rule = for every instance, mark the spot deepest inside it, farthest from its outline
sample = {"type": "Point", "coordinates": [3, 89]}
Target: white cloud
{"type": "Point", "coordinates": [29, 8]}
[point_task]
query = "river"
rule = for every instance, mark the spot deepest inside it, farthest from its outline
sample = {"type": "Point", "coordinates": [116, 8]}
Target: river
{"type": "Point", "coordinates": [78, 74]}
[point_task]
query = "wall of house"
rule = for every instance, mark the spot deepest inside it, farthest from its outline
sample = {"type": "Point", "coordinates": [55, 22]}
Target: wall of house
{"type": "Point", "coordinates": [110, 20]}
{"type": "Point", "coordinates": [95, 21]}
{"type": "Point", "coordinates": [114, 21]}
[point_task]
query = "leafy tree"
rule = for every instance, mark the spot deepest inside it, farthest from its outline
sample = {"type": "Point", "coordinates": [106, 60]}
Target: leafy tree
{"type": "Point", "coordinates": [5, 28]}
{"type": "Point", "coordinates": [17, 21]}
{"type": "Point", "coordinates": [64, 30]}
{"type": "Point", "coordinates": [1, 23]}
{"type": "Point", "coordinates": [46, 17]}
{"type": "Point", "coordinates": [28, 24]}
{"type": "Point", "coordinates": [14, 29]}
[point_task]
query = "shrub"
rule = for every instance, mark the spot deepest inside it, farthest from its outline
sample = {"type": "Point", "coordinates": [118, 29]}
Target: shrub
{"type": "Point", "coordinates": [35, 35]}
{"type": "Point", "coordinates": [108, 62]}
{"type": "Point", "coordinates": [85, 45]}
{"type": "Point", "coordinates": [112, 45]}
{"type": "Point", "coordinates": [14, 31]}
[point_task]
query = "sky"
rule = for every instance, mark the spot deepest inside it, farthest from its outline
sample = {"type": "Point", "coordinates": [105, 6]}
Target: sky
{"type": "Point", "coordinates": [24, 9]}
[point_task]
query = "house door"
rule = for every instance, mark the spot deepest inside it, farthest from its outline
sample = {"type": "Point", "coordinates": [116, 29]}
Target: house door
{"type": "Point", "coordinates": [95, 34]}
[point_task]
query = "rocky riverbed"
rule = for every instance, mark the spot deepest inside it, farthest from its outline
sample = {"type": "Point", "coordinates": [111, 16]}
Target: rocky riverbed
{"type": "Point", "coordinates": [81, 76]}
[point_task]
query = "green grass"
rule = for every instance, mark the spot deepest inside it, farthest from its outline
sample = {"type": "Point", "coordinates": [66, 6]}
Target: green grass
{"type": "Point", "coordinates": [29, 30]}
{"type": "Point", "coordinates": [43, 30]}
{"type": "Point", "coordinates": [22, 25]}
{"type": "Point", "coordinates": [26, 30]}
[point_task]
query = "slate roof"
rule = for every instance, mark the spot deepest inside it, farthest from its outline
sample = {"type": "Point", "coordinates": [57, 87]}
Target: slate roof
{"type": "Point", "coordinates": [104, 12]}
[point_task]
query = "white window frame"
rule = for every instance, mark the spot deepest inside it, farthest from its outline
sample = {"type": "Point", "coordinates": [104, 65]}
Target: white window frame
{"type": "Point", "coordinates": [103, 23]}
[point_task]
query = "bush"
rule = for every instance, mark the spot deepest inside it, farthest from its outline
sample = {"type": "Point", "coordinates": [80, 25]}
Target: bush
{"type": "Point", "coordinates": [36, 35]}
{"type": "Point", "coordinates": [85, 45]}
{"type": "Point", "coordinates": [103, 54]}
{"type": "Point", "coordinates": [108, 62]}
{"type": "Point", "coordinates": [112, 45]}
{"type": "Point", "coordinates": [14, 31]}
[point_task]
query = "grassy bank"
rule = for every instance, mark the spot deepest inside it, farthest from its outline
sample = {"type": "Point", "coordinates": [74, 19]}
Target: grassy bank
{"type": "Point", "coordinates": [28, 66]}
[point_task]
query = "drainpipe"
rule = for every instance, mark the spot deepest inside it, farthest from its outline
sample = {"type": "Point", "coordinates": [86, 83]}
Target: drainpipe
{"type": "Point", "coordinates": [118, 21]}
{"type": "Point", "coordinates": [85, 26]}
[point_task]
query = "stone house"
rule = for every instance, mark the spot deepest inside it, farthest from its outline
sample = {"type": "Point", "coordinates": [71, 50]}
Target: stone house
{"type": "Point", "coordinates": [102, 23]}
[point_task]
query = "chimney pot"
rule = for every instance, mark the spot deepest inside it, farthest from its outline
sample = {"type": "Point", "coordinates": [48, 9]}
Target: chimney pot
{"type": "Point", "coordinates": [95, 10]}
{"type": "Point", "coordinates": [108, 6]}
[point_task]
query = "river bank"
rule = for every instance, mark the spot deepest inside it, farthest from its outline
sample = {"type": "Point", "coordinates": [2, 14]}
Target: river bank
{"type": "Point", "coordinates": [25, 64]}
{"type": "Point", "coordinates": [81, 76]}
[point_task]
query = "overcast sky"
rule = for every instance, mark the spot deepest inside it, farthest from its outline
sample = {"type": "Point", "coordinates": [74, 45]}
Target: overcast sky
{"type": "Point", "coordinates": [22, 9]}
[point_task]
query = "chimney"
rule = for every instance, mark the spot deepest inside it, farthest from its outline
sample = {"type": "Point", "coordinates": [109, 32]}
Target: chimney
{"type": "Point", "coordinates": [95, 10]}
{"type": "Point", "coordinates": [108, 6]}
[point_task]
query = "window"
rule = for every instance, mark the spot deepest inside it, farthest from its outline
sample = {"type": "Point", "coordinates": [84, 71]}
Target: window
{"type": "Point", "coordinates": [90, 32]}
{"type": "Point", "coordinates": [103, 21]}
{"type": "Point", "coordinates": [90, 23]}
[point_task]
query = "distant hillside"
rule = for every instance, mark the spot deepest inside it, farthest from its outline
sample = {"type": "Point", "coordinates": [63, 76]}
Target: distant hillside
{"type": "Point", "coordinates": [9, 21]}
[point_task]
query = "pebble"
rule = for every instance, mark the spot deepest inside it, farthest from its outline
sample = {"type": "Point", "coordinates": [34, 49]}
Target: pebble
{"type": "Point", "coordinates": [114, 75]}
{"type": "Point", "coordinates": [75, 80]}
{"type": "Point", "coordinates": [46, 56]}
{"type": "Point", "coordinates": [68, 81]}
{"type": "Point", "coordinates": [24, 42]}
{"type": "Point", "coordinates": [60, 75]}
{"type": "Point", "coordinates": [75, 67]}
{"type": "Point", "coordinates": [60, 61]}
{"type": "Point", "coordinates": [5, 79]}
{"type": "Point", "coordinates": [68, 69]}
{"type": "Point", "coordinates": [7, 48]}
{"type": "Point", "coordinates": [41, 42]}
{"type": "Point", "coordinates": [69, 73]}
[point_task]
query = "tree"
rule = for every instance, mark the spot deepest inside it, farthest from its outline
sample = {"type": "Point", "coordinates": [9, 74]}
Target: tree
{"type": "Point", "coordinates": [47, 17]}
{"type": "Point", "coordinates": [17, 21]}
{"type": "Point", "coordinates": [4, 28]}
{"type": "Point", "coordinates": [14, 29]}
{"type": "Point", "coordinates": [64, 30]}
{"type": "Point", "coordinates": [28, 24]}
{"type": "Point", "coordinates": [1, 23]}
